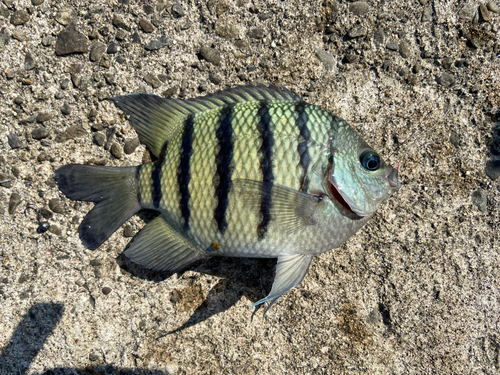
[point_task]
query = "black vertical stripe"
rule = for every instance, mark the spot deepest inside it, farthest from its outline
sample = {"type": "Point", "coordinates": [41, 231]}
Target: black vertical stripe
{"type": "Point", "coordinates": [183, 173]}
{"type": "Point", "coordinates": [303, 145]}
{"type": "Point", "coordinates": [266, 166]}
{"type": "Point", "coordinates": [223, 160]}
{"type": "Point", "coordinates": [156, 176]}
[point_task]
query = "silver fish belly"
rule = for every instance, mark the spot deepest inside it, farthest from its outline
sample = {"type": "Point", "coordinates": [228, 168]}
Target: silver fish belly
{"type": "Point", "coordinates": [247, 172]}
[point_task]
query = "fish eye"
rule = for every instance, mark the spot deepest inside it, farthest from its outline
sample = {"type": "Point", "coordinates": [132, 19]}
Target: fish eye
{"type": "Point", "coordinates": [370, 160]}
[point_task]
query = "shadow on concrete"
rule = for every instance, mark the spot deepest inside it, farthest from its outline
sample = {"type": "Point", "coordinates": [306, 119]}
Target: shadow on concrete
{"type": "Point", "coordinates": [248, 277]}
{"type": "Point", "coordinates": [29, 338]}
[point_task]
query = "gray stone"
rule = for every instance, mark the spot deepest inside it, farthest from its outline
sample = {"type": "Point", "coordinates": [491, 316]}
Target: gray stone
{"type": "Point", "coordinates": [404, 49]}
{"type": "Point", "coordinates": [178, 10]}
{"type": "Point", "coordinates": [359, 8]}
{"type": "Point", "coordinates": [146, 26]}
{"type": "Point", "coordinates": [96, 51]}
{"type": "Point", "coordinates": [42, 117]}
{"type": "Point", "coordinates": [5, 180]}
{"type": "Point", "coordinates": [71, 132]}
{"type": "Point", "coordinates": [14, 141]}
{"type": "Point", "coordinates": [226, 29]}
{"type": "Point", "coordinates": [112, 48]}
{"type": "Point", "coordinates": [66, 109]}
{"type": "Point", "coordinates": [116, 150]}
{"type": "Point", "coordinates": [36, 2]}
{"type": "Point", "coordinates": [211, 55]}
{"type": "Point", "coordinates": [479, 199]}
{"type": "Point", "coordinates": [40, 133]}
{"type": "Point", "coordinates": [492, 169]}
{"type": "Point", "coordinates": [447, 80]}
{"type": "Point", "coordinates": [468, 12]}
{"type": "Point", "coordinates": [19, 17]}
{"type": "Point", "coordinates": [392, 46]}
{"type": "Point", "coordinates": [156, 44]}
{"type": "Point", "coordinates": [118, 22]}
{"type": "Point", "coordinates": [152, 80]}
{"type": "Point", "coordinates": [379, 36]}
{"type": "Point", "coordinates": [66, 14]}
{"type": "Point", "coordinates": [14, 202]}
{"type": "Point", "coordinates": [29, 61]}
{"type": "Point", "coordinates": [485, 14]}
{"type": "Point", "coordinates": [56, 206]}
{"type": "Point", "coordinates": [492, 6]}
{"type": "Point", "coordinates": [256, 33]}
{"type": "Point", "coordinates": [326, 58]}
{"type": "Point", "coordinates": [356, 32]}
{"type": "Point", "coordinates": [71, 41]}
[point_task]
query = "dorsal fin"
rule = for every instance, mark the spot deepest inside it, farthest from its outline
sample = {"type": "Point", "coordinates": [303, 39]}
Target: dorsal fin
{"type": "Point", "coordinates": [158, 120]}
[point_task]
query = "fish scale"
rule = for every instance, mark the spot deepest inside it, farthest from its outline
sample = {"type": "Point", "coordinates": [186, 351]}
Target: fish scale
{"type": "Point", "coordinates": [247, 172]}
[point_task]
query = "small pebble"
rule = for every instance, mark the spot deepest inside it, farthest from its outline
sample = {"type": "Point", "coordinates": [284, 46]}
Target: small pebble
{"type": "Point", "coordinates": [256, 33]}
{"type": "Point", "coordinates": [214, 78]}
{"type": "Point", "coordinates": [492, 169]}
{"type": "Point", "coordinates": [29, 61]}
{"type": "Point", "coordinates": [106, 290]}
{"type": "Point", "coordinates": [14, 141]}
{"type": "Point", "coordinates": [492, 6]}
{"type": "Point", "coordinates": [178, 10]}
{"type": "Point", "coordinates": [71, 41]}
{"type": "Point", "coordinates": [66, 109]}
{"type": "Point", "coordinates": [118, 22]}
{"type": "Point", "coordinates": [54, 229]}
{"type": "Point", "coordinates": [392, 46]}
{"type": "Point", "coordinates": [447, 80]}
{"type": "Point", "coordinates": [326, 59]}
{"type": "Point", "coordinates": [128, 231]}
{"type": "Point", "coordinates": [146, 26]}
{"type": "Point", "coordinates": [130, 145]}
{"type": "Point", "coordinates": [116, 150]}
{"type": "Point", "coordinates": [40, 133]}
{"type": "Point", "coordinates": [359, 8]}
{"type": "Point", "coordinates": [19, 17]}
{"type": "Point", "coordinates": [121, 34]}
{"type": "Point", "coordinates": [56, 206]}
{"type": "Point", "coordinates": [71, 133]}
{"type": "Point", "coordinates": [46, 213]}
{"type": "Point", "coordinates": [479, 199]}
{"type": "Point", "coordinates": [156, 44]}
{"type": "Point", "coordinates": [42, 117]}
{"type": "Point", "coordinates": [36, 2]}
{"type": "Point", "coordinates": [356, 32]}
{"type": "Point", "coordinates": [152, 80]}
{"type": "Point", "coordinates": [404, 50]}
{"type": "Point", "coordinates": [112, 48]}
{"type": "Point", "coordinates": [96, 51]}
{"type": "Point", "coordinates": [99, 138]}
{"type": "Point", "coordinates": [14, 201]}
{"type": "Point", "coordinates": [379, 36]}
{"type": "Point", "coordinates": [485, 14]}
{"type": "Point", "coordinates": [66, 14]}
{"type": "Point", "coordinates": [211, 55]}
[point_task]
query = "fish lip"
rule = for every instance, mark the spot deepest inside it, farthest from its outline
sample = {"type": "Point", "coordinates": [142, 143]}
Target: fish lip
{"type": "Point", "coordinates": [343, 200]}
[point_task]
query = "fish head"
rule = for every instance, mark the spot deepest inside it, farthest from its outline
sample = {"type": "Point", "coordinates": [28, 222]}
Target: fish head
{"type": "Point", "coordinates": [358, 178]}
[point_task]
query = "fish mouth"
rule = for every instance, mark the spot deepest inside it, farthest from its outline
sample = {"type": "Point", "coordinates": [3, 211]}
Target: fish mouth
{"type": "Point", "coordinates": [344, 201]}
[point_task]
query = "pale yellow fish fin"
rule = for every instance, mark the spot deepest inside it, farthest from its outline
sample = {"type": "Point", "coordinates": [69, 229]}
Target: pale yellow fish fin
{"type": "Point", "coordinates": [161, 248]}
{"type": "Point", "coordinates": [158, 120]}
{"type": "Point", "coordinates": [289, 208]}
{"type": "Point", "coordinates": [290, 271]}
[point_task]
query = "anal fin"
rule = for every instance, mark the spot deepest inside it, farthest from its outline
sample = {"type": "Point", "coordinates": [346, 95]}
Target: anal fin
{"type": "Point", "coordinates": [159, 247]}
{"type": "Point", "coordinates": [290, 271]}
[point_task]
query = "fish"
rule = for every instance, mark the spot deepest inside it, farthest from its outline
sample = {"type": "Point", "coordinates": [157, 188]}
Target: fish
{"type": "Point", "coordinates": [250, 171]}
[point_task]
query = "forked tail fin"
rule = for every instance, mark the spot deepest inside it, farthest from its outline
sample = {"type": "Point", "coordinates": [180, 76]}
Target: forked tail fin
{"type": "Point", "coordinates": [113, 189]}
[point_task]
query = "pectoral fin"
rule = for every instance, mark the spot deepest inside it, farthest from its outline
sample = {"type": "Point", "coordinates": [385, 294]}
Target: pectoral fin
{"type": "Point", "coordinates": [290, 271]}
{"type": "Point", "coordinates": [159, 247]}
{"type": "Point", "coordinates": [290, 208]}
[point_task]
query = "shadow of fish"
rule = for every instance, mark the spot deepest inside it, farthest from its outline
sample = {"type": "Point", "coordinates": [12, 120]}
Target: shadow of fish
{"type": "Point", "coordinates": [251, 171]}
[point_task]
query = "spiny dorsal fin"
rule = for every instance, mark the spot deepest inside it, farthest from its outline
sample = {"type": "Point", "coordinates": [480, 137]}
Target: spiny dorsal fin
{"type": "Point", "coordinates": [158, 120]}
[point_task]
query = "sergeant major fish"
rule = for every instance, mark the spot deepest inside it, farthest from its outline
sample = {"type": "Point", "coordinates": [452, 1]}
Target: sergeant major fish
{"type": "Point", "coordinates": [251, 171]}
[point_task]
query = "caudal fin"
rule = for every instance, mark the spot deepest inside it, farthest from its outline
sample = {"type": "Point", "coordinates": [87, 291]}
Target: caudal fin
{"type": "Point", "coordinates": [114, 190]}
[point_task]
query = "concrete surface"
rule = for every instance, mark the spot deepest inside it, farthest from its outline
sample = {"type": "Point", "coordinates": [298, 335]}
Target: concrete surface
{"type": "Point", "coordinates": [415, 291]}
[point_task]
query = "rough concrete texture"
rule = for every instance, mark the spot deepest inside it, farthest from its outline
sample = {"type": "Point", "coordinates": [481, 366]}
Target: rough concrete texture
{"type": "Point", "coordinates": [415, 291]}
